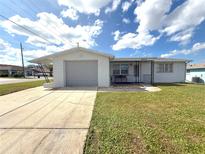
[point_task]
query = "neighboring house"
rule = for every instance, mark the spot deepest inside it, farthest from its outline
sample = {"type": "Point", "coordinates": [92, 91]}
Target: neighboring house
{"type": "Point", "coordinates": [196, 73]}
{"type": "Point", "coordinates": [35, 70]}
{"type": "Point", "coordinates": [85, 67]}
{"type": "Point", "coordinates": [17, 71]}
{"type": "Point", "coordinates": [10, 70]}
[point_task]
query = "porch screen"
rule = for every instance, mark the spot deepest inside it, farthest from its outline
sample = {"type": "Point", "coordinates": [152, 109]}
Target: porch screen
{"type": "Point", "coordinates": [116, 69]}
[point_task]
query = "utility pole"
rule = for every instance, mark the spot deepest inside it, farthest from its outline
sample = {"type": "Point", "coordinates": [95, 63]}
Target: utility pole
{"type": "Point", "coordinates": [22, 59]}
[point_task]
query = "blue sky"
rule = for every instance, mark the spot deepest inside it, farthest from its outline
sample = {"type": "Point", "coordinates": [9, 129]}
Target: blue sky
{"type": "Point", "coordinates": [124, 28]}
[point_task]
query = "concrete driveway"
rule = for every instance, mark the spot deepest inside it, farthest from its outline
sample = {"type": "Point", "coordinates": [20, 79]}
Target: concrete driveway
{"type": "Point", "coordinates": [45, 121]}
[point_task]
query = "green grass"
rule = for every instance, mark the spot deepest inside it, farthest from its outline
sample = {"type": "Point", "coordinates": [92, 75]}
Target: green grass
{"type": "Point", "coordinates": [14, 87]}
{"type": "Point", "coordinates": [169, 121]}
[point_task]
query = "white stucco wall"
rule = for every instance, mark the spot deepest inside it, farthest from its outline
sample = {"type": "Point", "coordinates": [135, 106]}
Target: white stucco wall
{"type": "Point", "coordinates": [59, 67]}
{"type": "Point", "coordinates": [103, 72]}
{"type": "Point", "coordinates": [200, 72]}
{"type": "Point", "coordinates": [178, 74]}
{"type": "Point", "coordinates": [58, 73]}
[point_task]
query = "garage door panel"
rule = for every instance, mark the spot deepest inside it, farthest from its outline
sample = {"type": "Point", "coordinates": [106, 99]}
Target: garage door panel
{"type": "Point", "coordinates": [82, 73]}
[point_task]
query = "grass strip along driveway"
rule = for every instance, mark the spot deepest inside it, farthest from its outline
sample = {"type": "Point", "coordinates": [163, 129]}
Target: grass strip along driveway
{"type": "Point", "coordinates": [14, 87]}
{"type": "Point", "coordinates": [169, 121]}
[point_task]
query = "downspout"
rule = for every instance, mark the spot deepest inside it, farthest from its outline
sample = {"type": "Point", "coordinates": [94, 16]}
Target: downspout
{"type": "Point", "coordinates": [152, 72]}
{"type": "Point", "coordinates": [185, 72]}
{"type": "Point", "coordinates": [109, 73]}
{"type": "Point", "coordinates": [110, 82]}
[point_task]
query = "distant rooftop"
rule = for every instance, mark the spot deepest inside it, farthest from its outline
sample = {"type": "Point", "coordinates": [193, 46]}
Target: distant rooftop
{"type": "Point", "coordinates": [195, 66]}
{"type": "Point", "coordinates": [7, 65]}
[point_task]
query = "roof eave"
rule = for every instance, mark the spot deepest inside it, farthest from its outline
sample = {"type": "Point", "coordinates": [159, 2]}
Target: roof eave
{"type": "Point", "coordinates": [42, 60]}
{"type": "Point", "coordinates": [49, 58]}
{"type": "Point", "coordinates": [150, 59]}
{"type": "Point", "coordinates": [195, 68]}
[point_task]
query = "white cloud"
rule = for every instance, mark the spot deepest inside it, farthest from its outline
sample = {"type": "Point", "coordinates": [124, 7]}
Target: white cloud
{"type": "Point", "coordinates": [55, 30]}
{"type": "Point", "coordinates": [181, 23]}
{"type": "Point", "coordinates": [146, 12]}
{"type": "Point", "coordinates": [115, 4]}
{"type": "Point", "coordinates": [116, 35]}
{"type": "Point", "coordinates": [188, 15]}
{"type": "Point", "coordinates": [150, 14]}
{"type": "Point", "coordinates": [134, 41]}
{"type": "Point", "coordinates": [183, 37]}
{"type": "Point", "coordinates": [12, 55]}
{"type": "Point", "coordinates": [85, 6]}
{"type": "Point", "coordinates": [197, 47]}
{"type": "Point", "coordinates": [126, 20]}
{"type": "Point", "coordinates": [8, 54]}
{"type": "Point", "coordinates": [138, 2]}
{"type": "Point", "coordinates": [3, 44]}
{"type": "Point", "coordinates": [178, 25]}
{"type": "Point", "coordinates": [51, 28]}
{"type": "Point", "coordinates": [70, 13]}
{"type": "Point", "coordinates": [125, 6]}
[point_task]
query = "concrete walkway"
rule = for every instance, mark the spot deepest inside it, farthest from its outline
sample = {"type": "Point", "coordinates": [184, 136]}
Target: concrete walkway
{"type": "Point", "coordinates": [130, 88]}
{"type": "Point", "coordinates": [151, 88]}
{"type": "Point", "coordinates": [45, 121]}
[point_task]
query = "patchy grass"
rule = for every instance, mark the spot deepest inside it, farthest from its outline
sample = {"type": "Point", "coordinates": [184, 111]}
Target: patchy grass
{"type": "Point", "coordinates": [14, 87]}
{"type": "Point", "coordinates": [169, 121]}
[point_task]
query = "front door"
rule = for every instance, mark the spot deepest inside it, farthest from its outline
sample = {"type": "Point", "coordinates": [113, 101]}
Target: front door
{"type": "Point", "coordinates": [137, 72]}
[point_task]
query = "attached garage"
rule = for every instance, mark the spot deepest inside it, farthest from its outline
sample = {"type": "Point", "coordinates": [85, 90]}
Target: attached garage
{"type": "Point", "coordinates": [79, 67]}
{"type": "Point", "coordinates": [81, 73]}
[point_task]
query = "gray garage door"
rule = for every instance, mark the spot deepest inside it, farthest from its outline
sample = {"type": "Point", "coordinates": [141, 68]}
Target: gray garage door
{"type": "Point", "coordinates": [81, 73]}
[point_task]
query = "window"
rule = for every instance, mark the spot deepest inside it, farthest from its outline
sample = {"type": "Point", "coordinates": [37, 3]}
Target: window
{"type": "Point", "coordinates": [161, 68]}
{"type": "Point", "coordinates": [120, 69]}
{"type": "Point", "coordinates": [124, 69]}
{"type": "Point", "coordinates": [165, 68]}
{"type": "Point", "coordinates": [188, 71]}
{"type": "Point", "coordinates": [116, 69]}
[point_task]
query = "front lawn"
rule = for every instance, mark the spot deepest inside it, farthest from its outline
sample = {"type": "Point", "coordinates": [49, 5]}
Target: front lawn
{"type": "Point", "coordinates": [169, 121]}
{"type": "Point", "coordinates": [14, 87]}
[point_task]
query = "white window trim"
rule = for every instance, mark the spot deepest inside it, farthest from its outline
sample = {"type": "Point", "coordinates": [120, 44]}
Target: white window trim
{"type": "Point", "coordinates": [121, 69]}
{"type": "Point", "coordinates": [164, 65]}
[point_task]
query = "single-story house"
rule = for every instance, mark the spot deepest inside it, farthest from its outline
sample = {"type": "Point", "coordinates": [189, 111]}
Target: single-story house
{"type": "Point", "coordinates": [84, 67]}
{"type": "Point", "coordinates": [196, 73]}
{"type": "Point", "coordinates": [35, 70]}
{"type": "Point", "coordinates": [10, 70]}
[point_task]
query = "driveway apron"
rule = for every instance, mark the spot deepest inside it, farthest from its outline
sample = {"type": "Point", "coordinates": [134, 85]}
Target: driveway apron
{"type": "Point", "coordinates": [45, 121]}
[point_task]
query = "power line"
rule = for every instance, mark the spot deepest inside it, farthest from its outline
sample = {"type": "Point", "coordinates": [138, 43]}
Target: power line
{"type": "Point", "coordinates": [41, 26]}
{"type": "Point", "coordinates": [26, 29]}
{"type": "Point", "coordinates": [23, 11]}
{"type": "Point", "coordinates": [31, 3]}
{"type": "Point", "coordinates": [54, 33]}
